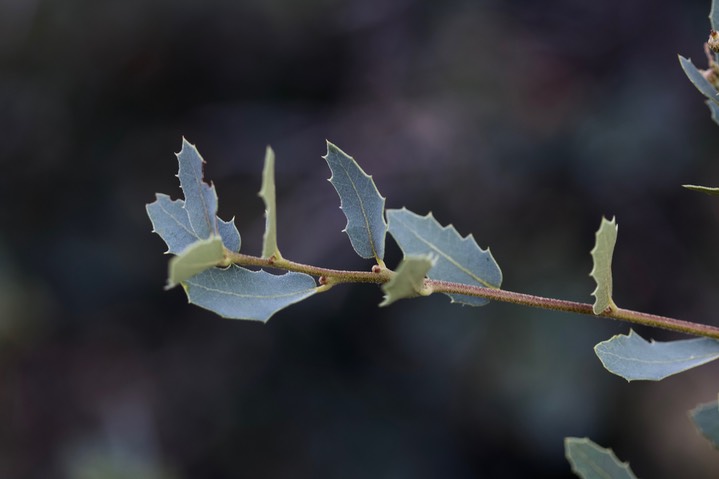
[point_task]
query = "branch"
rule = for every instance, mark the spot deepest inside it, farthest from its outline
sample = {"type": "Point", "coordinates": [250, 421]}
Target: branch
{"type": "Point", "coordinates": [379, 275]}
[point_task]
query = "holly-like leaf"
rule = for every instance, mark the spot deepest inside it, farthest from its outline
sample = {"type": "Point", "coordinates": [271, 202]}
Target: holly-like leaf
{"type": "Point", "coordinates": [706, 418]}
{"type": "Point", "coordinates": [713, 191]}
{"type": "Point", "coordinates": [238, 293]}
{"type": "Point", "coordinates": [696, 77]}
{"type": "Point", "coordinates": [197, 257]}
{"type": "Point", "coordinates": [606, 238]}
{"type": "Point", "coordinates": [200, 198]}
{"type": "Point", "coordinates": [361, 203]}
{"type": "Point", "coordinates": [169, 220]}
{"type": "Point", "coordinates": [634, 358]}
{"type": "Point", "coordinates": [229, 234]}
{"type": "Point", "coordinates": [408, 280]}
{"type": "Point", "coordinates": [267, 193]}
{"type": "Point", "coordinates": [173, 219]}
{"type": "Point", "coordinates": [459, 260]}
{"type": "Point", "coordinates": [590, 461]}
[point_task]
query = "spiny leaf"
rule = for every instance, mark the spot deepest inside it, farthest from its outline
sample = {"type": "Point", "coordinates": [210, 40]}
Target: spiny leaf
{"type": "Point", "coordinates": [361, 203]}
{"type": "Point", "coordinates": [169, 220]}
{"type": "Point", "coordinates": [409, 278]}
{"type": "Point", "coordinates": [197, 257]}
{"type": "Point", "coordinates": [238, 293]}
{"type": "Point", "coordinates": [634, 358]}
{"type": "Point", "coordinates": [229, 234]}
{"type": "Point", "coordinates": [696, 77]}
{"type": "Point", "coordinates": [606, 238]}
{"type": "Point", "coordinates": [459, 259]}
{"type": "Point", "coordinates": [200, 198]}
{"type": "Point", "coordinates": [706, 418]}
{"type": "Point", "coordinates": [590, 461]}
{"type": "Point", "coordinates": [267, 193]}
{"type": "Point", "coordinates": [173, 219]}
{"type": "Point", "coordinates": [703, 189]}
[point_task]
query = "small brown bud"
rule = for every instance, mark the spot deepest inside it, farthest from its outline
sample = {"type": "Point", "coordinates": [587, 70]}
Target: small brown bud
{"type": "Point", "coordinates": [376, 269]}
{"type": "Point", "coordinates": [713, 41]}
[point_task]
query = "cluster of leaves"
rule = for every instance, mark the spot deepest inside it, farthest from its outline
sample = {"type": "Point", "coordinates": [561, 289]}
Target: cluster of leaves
{"type": "Point", "coordinates": [206, 251]}
{"type": "Point", "coordinates": [208, 264]}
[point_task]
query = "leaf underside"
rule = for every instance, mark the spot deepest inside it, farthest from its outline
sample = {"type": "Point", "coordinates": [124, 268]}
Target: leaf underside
{"type": "Point", "coordinates": [190, 226]}
{"type": "Point", "coordinates": [197, 257]}
{"type": "Point", "coordinates": [458, 259]}
{"type": "Point", "coordinates": [238, 293]}
{"type": "Point", "coordinates": [706, 418]}
{"type": "Point", "coordinates": [634, 358]}
{"type": "Point", "coordinates": [361, 203]}
{"type": "Point", "coordinates": [200, 198]}
{"type": "Point", "coordinates": [606, 238]}
{"type": "Point", "coordinates": [408, 280]}
{"type": "Point", "coordinates": [712, 191]}
{"type": "Point", "coordinates": [267, 193]}
{"type": "Point", "coordinates": [590, 461]}
{"type": "Point", "coordinates": [182, 222]}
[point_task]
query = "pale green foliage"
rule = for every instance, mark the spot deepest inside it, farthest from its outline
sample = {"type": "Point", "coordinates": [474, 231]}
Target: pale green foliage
{"type": "Point", "coordinates": [712, 191]}
{"type": "Point", "coordinates": [606, 238]}
{"type": "Point", "coordinates": [200, 198]}
{"type": "Point", "coordinates": [267, 193]}
{"type": "Point", "coordinates": [238, 293]}
{"type": "Point", "coordinates": [182, 222]}
{"type": "Point", "coordinates": [361, 203]}
{"type": "Point", "coordinates": [408, 281]}
{"type": "Point", "coordinates": [459, 259]}
{"type": "Point", "coordinates": [590, 461]}
{"type": "Point", "coordinates": [196, 258]}
{"type": "Point", "coordinates": [699, 81]}
{"type": "Point", "coordinates": [634, 358]}
{"type": "Point", "coordinates": [706, 419]}
{"type": "Point", "coordinates": [714, 15]}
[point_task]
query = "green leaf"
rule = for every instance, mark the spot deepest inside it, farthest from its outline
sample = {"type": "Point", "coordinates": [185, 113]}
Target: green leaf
{"type": "Point", "coordinates": [703, 189]}
{"type": "Point", "coordinates": [361, 203]}
{"type": "Point", "coordinates": [459, 260]}
{"type": "Point", "coordinates": [183, 222]}
{"type": "Point", "coordinates": [634, 358]}
{"type": "Point", "coordinates": [590, 461]}
{"type": "Point", "coordinates": [696, 77]}
{"type": "Point", "coordinates": [408, 281]}
{"type": "Point", "coordinates": [200, 198]}
{"type": "Point", "coordinates": [238, 293]}
{"type": "Point", "coordinates": [606, 238]}
{"type": "Point", "coordinates": [706, 418]}
{"type": "Point", "coordinates": [169, 220]}
{"type": "Point", "coordinates": [267, 193]}
{"type": "Point", "coordinates": [197, 257]}
{"type": "Point", "coordinates": [714, 15]}
{"type": "Point", "coordinates": [229, 234]}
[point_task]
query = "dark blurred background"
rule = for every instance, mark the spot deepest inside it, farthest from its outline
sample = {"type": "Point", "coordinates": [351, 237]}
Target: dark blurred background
{"type": "Point", "coordinates": [521, 122]}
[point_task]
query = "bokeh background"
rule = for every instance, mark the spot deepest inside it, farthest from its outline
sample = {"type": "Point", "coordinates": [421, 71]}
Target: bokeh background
{"type": "Point", "coordinates": [521, 122]}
